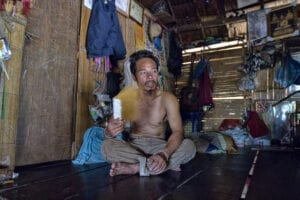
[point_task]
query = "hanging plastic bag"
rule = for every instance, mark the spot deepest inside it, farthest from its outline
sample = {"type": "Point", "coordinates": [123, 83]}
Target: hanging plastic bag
{"type": "Point", "coordinates": [289, 72]}
{"type": "Point", "coordinates": [246, 83]}
{"type": "Point", "coordinates": [101, 110]}
{"type": "Point", "coordinates": [5, 54]}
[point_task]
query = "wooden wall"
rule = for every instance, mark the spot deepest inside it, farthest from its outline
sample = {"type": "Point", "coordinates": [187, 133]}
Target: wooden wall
{"type": "Point", "coordinates": [48, 83]}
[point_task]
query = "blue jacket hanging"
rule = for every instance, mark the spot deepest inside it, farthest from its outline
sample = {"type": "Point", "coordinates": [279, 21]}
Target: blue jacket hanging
{"type": "Point", "coordinates": [104, 36]}
{"type": "Point", "coordinates": [202, 64]}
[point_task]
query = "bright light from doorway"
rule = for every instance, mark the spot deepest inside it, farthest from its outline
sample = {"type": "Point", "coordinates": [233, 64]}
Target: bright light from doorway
{"type": "Point", "coordinates": [228, 98]}
{"type": "Point", "coordinates": [215, 46]}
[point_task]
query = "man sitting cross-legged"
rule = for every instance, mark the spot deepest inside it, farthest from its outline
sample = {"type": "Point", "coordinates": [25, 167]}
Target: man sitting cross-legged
{"type": "Point", "coordinates": [148, 152]}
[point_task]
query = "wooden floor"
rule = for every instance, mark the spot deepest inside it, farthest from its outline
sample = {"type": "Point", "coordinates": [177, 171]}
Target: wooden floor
{"type": "Point", "coordinates": [268, 174]}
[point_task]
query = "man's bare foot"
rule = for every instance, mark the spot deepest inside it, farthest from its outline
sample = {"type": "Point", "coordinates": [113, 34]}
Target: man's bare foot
{"type": "Point", "coordinates": [124, 168]}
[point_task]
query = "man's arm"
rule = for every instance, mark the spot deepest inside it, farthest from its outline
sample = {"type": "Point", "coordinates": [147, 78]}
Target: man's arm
{"type": "Point", "coordinates": [158, 162]}
{"type": "Point", "coordinates": [175, 122]}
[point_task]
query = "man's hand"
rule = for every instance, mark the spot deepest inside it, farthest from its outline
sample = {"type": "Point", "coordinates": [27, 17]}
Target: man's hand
{"type": "Point", "coordinates": [157, 163]}
{"type": "Point", "coordinates": [114, 127]}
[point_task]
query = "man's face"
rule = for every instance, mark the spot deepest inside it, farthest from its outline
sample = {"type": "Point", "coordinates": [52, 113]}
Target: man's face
{"type": "Point", "coordinates": [146, 74]}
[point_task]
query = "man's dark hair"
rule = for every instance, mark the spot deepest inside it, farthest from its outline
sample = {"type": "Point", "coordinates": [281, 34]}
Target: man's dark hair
{"type": "Point", "coordinates": [139, 55]}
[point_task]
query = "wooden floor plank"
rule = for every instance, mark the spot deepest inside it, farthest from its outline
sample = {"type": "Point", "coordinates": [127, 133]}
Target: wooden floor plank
{"type": "Point", "coordinates": [205, 177]}
{"type": "Point", "coordinates": [153, 187]}
{"type": "Point", "coordinates": [61, 187]}
{"type": "Point", "coordinates": [276, 176]}
{"type": "Point", "coordinates": [96, 184]}
{"type": "Point", "coordinates": [222, 180]}
{"type": "Point", "coordinates": [48, 171]}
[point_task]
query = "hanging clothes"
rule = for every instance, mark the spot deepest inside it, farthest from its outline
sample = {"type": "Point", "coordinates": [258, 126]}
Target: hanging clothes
{"type": "Point", "coordinates": [175, 59]}
{"type": "Point", "coordinates": [104, 36]}
{"type": "Point", "coordinates": [202, 64]}
{"type": "Point", "coordinates": [189, 97]}
{"type": "Point", "coordinates": [204, 86]}
{"type": "Point", "coordinates": [113, 83]}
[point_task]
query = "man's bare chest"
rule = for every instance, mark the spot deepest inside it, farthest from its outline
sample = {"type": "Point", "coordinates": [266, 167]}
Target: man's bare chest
{"type": "Point", "coordinates": [152, 112]}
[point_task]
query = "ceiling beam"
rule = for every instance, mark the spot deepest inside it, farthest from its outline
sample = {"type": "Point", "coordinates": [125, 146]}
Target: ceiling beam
{"type": "Point", "coordinates": [197, 26]}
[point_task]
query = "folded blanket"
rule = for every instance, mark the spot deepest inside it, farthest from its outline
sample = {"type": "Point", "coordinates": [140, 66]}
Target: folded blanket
{"type": "Point", "coordinates": [215, 142]}
{"type": "Point", "coordinates": [90, 150]}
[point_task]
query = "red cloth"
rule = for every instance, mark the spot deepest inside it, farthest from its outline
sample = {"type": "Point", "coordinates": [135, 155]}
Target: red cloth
{"type": "Point", "coordinates": [205, 89]}
{"type": "Point", "coordinates": [26, 6]}
{"type": "Point", "coordinates": [2, 4]}
{"type": "Point", "coordinates": [257, 127]}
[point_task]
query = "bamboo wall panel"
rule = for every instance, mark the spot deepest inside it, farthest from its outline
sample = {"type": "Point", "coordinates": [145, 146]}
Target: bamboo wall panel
{"type": "Point", "coordinates": [224, 78]}
{"type": "Point", "coordinates": [49, 76]}
{"type": "Point", "coordinates": [224, 109]}
{"type": "Point", "coordinates": [9, 91]}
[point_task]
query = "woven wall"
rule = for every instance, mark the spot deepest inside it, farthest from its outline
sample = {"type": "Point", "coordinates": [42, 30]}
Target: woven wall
{"type": "Point", "coordinates": [48, 84]}
{"type": "Point", "coordinates": [9, 89]}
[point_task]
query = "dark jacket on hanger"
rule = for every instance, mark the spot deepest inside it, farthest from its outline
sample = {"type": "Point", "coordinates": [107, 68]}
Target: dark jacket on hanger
{"type": "Point", "coordinates": [104, 36]}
